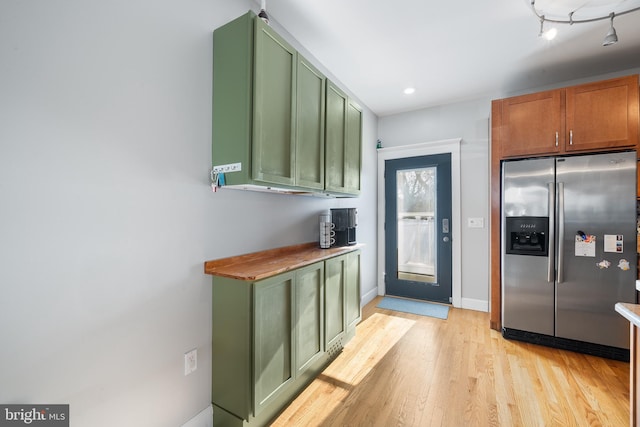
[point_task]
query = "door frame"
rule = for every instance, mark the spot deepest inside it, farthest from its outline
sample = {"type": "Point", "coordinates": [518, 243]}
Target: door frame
{"type": "Point", "coordinates": [451, 146]}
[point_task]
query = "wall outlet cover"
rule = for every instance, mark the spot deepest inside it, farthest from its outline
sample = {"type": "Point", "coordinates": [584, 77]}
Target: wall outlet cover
{"type": "Point", "coordinates": [190, 361]}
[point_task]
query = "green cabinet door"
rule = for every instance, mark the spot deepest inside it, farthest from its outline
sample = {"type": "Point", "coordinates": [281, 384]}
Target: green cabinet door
{"type": "Point", "coordinates": [352, 289]}
{"type": "Point", "coordinates": [334, 271]}
{"type": "Point", "coordinates": [335, 136]}
{"type": "Point", "coordinates": [273, 152]}
{"type": "Point", "coordinates": [343, 143]}
{"type": "Point", "coordinates": [353, 149]}
{"type": "Point", "coordinates": [310, 122]}
{"type": "Point", "coordinates": [273, 338]}
{"type": "Point", "coordinates": [309, 316]}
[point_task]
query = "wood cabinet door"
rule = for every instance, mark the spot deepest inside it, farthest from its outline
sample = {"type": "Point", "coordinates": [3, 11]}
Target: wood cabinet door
{"type": "Point", "coordinates": [532, 124]}
{"type": "Point", "coordinates": [602, 115]}
{"type": "Point", "coordinates": [272, 338]}
{"type": "Point", "coordinates": [273, 107]}
{"type": "Point", "coordinates": [352, 289]}
{"type": "Point", "coordinates": [309, 141]}
{"type": "Point", "coordinates": [334, 271]}
{"type": "Point", "coordinates": [309, 316]}
{"type": "Point", "coordinates": [335, 137]}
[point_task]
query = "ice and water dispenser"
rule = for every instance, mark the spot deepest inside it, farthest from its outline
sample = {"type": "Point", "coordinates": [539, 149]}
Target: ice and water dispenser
{"type": "Point", "coordinates": [527, 235]}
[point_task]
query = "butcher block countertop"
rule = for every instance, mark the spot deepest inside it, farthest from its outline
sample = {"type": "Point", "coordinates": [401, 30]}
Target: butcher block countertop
{"type": "Point", "coordinates": [263, 264]}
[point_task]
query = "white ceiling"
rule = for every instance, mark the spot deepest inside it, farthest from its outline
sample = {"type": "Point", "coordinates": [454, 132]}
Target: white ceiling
{"type": "Point", "coordinates": [449, 50]}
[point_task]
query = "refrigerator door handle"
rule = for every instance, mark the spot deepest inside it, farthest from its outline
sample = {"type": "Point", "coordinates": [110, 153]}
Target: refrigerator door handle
{"type": "Point", "coordinates": [552, 229]}
{"type": "Point", "coordinates": [560, 231]}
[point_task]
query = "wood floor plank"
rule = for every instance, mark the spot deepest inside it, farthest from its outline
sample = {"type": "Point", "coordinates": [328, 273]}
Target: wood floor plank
{"type": "Point", "coordinates": [408, 370]}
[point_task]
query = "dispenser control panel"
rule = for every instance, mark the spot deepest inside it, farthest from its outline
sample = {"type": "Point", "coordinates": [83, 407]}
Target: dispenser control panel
{"type": "Point", "coordinates": [527, 235]}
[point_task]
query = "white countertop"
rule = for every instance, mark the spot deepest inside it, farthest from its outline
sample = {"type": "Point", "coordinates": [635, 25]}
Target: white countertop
{"type": "Point", "coordinates": [631, 312]}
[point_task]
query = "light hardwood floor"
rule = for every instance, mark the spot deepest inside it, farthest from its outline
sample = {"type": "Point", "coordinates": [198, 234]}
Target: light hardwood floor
{"type": "Point", "coordinates": [408, 370]}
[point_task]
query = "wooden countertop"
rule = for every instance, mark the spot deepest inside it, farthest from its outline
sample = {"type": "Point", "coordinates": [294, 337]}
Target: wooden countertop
{"type": "Point", "coordinates": [629, 311]}
{"type": "Point", "coordinates": [263, 264]}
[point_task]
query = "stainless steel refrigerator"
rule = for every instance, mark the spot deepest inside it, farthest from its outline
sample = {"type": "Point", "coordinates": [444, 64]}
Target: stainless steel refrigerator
{"type": "Point", "coordinates": [569, 251]}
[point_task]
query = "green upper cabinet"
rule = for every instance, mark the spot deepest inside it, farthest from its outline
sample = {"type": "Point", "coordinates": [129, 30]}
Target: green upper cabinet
{"type": "Point", "coordinates": [343, 143]}
{"type": "Point", "coordinates": [271, 109]}
{"type": "Point", "coordinates": [268, 108]}
{"type": "Point", "coordinates": [310, 121]}
{"type": "Point", "coordinates": [273, 151]}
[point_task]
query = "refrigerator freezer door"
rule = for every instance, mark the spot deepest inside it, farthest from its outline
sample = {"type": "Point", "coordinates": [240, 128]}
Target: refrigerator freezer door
{"type": "Point", "coordinates": [527, 289]}
{"type": "Point", "coordinates": [596, 201]}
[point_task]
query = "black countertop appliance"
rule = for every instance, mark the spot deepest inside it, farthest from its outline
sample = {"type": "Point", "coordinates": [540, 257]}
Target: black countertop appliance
{"type": "Point", "coordinates": [345, 221]}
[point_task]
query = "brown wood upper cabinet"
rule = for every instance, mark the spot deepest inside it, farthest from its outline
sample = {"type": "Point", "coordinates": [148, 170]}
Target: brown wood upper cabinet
{"type": "Point", "coordinates": [589, 117]}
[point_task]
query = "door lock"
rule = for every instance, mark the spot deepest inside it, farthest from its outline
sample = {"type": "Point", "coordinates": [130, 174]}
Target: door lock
{"type": "Point", "coordinates": [445, 239]}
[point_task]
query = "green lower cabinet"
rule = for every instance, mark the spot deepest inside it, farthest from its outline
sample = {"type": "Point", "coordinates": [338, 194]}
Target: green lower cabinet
{"type": "Point", "coordinates": [270, 336]}
{"type": "Point", "coordinates": [309, 305]}
{"type": "Point", "coordinates": [352, 290]}
{"type": "Point", "coordinates": [342, 300]}
{"type": "Point", "coordinates": [334, 303]}
{"type": "Point", "coordinates": [272, 339]}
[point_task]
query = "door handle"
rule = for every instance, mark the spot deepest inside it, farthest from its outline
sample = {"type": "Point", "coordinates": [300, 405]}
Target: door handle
{"type": "Point", "coordinates": [445, 239]}
{"type": "Point", "coordinates": [560, 232]}
{"type": "Point", "coordinates": [445, 225]}
{"type": "Point", "coordinates": [552, 233]}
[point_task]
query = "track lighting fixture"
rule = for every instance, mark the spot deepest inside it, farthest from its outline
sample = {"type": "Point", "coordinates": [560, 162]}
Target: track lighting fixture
{"type": "Point", "coordinates": [610, 38]}
{"type": "Point", "coordinates": [263, 12]}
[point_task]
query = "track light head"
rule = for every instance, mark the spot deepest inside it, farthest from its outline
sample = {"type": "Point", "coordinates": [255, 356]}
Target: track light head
{"type": "Point", "coordinates": [611, 37]}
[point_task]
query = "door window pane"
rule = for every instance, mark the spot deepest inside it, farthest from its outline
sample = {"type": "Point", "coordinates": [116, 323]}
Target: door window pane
{"type": "Point", "coordinates": [416, 202]}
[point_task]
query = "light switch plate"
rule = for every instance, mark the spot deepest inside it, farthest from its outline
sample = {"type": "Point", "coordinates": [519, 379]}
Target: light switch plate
{"type": "Point", "coordinates": [475, 222]}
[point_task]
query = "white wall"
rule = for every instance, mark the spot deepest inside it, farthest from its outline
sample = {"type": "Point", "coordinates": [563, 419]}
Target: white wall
{"type": "Point", "coordinates": [469, 121]}
{"type": "Point", "coordinates": [106, 217]}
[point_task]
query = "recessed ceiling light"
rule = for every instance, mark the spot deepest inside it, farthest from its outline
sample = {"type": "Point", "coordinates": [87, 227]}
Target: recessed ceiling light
{"type": "Point", "coordinates": [409, 90]}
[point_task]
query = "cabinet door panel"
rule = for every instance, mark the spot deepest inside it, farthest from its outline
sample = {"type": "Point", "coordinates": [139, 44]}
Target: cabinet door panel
{"type": "Point", "coordinates": [353, 149]}
{"type": "Point", "coordinates": [334, 300]}
{"type": "Point", "coordinates": [309, 317]}
{"type": "Point", "coordinates": [335, 138]}
{"type": "Point", "coordinates": [272, 338]}
{"type": "Point", "coordinates": [352, 289]}
{"type": "Point", "coordinates": [602, 115]}
{"type": "Point", "coordinates": [274, 91]}
{"type": "Point", "coordinates": [310, 104]}
{"type": "Point", "coordinates": [533, 124]}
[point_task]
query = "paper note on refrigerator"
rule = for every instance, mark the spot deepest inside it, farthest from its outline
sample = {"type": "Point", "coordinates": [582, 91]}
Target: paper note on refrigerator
{"type": "Point", "coordinates": [585, 245]}
{"type": "Point", "coordinates": [613, 243]}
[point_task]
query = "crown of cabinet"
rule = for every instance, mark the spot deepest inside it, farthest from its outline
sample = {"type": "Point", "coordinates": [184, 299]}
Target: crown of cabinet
{"type": "Point", "coordinates": [271, 114]}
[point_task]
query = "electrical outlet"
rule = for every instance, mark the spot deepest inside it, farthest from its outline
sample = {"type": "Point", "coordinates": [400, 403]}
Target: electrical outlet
{"type": "Point", "coordinates": [190, 361]}
{"type": "Point", "coordinates": [231, 167]}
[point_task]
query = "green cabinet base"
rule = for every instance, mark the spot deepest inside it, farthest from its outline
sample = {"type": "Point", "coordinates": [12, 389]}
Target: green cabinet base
{"type": "Point", "coordinates": [223, 418]}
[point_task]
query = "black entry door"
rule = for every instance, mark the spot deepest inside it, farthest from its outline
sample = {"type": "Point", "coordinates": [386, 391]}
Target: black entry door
{"type": "Point", "coordinates": [418, 227]}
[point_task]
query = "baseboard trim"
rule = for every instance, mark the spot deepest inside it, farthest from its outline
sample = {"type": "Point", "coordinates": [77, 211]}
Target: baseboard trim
{"type": "Point", "coordinates": [368, 297]}
{"type": "Point", "coordinates": [203, 419]}
{"type": "Point", "coordinates": [475, 304]}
